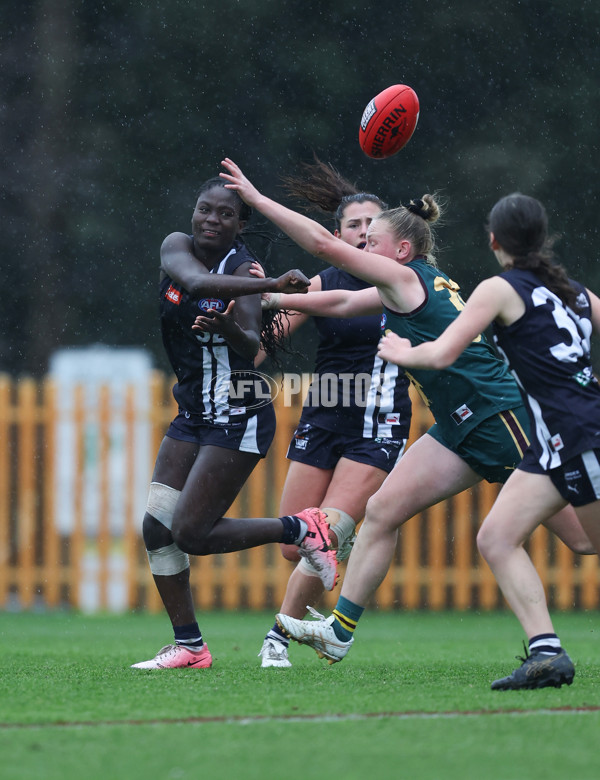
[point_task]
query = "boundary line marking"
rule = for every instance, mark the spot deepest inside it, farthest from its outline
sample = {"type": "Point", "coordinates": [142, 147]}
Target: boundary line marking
{"type": "Point", "coordinates": [249, 720]}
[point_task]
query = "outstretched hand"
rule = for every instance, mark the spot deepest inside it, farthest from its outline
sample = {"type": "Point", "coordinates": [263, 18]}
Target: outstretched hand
{"type": "Point", "coordinates": [392, 348]}
{"type": "Point", "coordinates": [238, 182]}
{"type": "Point", "coordinates": [214, 321]}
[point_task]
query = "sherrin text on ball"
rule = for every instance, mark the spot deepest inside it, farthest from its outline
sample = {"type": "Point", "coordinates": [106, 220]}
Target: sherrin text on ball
{"type": "Point", "coordinates": [388, 121]}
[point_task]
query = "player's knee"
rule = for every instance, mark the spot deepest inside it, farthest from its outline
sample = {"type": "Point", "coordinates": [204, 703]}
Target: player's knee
{"type": "Point", "coordinates": [583, 547]}
{"type": "Point", "coordinates": [490, 545]}
{"type": "Point", "coordinates": [342, 531]}
{"type": "Point", "coordinates": [190, 538]}
{"type": "Point", "coordinates": [290, 552]}
{"type": "Point", "coordinates": [162, 503]}
{"type": "Point", "coordinates": [154, 533]}
{"type": "Point", "coordinates": [380, 513]}
{"type": "Point", "coordinates": [482, 543]}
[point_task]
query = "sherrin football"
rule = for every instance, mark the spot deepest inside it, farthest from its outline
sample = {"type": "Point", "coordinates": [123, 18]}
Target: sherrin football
{"type": "Point", "coordinates": [388, 121]}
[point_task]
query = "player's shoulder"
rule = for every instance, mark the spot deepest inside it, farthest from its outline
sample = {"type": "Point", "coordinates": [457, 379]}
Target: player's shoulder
{"type": "Point", "coordinates": [496, 292]}
{"type": "Point", "coordinates": [175, 241]}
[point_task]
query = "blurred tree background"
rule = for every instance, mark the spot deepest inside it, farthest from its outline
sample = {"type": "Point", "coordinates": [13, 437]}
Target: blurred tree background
{"type": "Point", "coordinates": [113, 113]}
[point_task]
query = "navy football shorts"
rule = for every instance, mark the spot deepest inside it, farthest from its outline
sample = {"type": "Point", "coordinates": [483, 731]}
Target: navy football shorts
{"type": "Point", "coordinates": [577, 480]}
{"type": "Point", "coordinates": [252, 434]}
{"type": "Point", "coordinates": [323, 449]}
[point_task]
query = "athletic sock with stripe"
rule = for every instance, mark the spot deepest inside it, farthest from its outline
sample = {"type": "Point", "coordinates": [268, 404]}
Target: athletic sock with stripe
{"type": "Point", "coordinates": [278, 636]}
{"type": "Point", "coordinates": [347, 614]}
{"type": "Point", "coordinates": [294, 529]}
{"type": "Point", "coordinates": [188, 636]}
{"type": "Point", "coordinates": [547, 644]}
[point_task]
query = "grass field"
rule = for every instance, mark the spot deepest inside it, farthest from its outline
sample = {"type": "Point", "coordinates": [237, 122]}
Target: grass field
{"type": "Point", "coordinates": [411, 700]}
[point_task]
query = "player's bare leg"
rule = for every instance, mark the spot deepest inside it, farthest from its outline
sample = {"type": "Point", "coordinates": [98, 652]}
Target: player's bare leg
{"type": "Point", "coordinates": [347, 488]}
{"type": "Point", "coordinates": [525, 501]}
{"type": "Point", "coordinates": [411, 487]}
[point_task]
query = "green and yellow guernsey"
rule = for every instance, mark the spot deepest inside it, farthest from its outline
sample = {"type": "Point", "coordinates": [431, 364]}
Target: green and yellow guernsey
{"type": "Point", "coordinates": [475, 387]}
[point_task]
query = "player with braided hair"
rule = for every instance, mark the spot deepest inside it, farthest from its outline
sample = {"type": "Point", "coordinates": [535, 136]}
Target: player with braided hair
{"type": "Point", "coordinates": [356, 417]}
{"type": "Point", "coordinates": [212, 324]}
{"type": "Point", "coordinates": [481, 426]}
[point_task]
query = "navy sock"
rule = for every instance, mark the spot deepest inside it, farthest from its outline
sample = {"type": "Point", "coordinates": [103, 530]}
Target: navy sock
{"type": "Point", "coordinates": [294, 529]}
{"type": "Point", "coordinates": [277, 634]}
{"type": "Point", "coordinates": [547, 644]}
{"type": "Point", "coordinates": [188, 635]}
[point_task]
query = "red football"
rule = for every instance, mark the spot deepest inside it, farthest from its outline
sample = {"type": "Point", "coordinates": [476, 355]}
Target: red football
{"type": "Point", "coordinates": [388, 121]}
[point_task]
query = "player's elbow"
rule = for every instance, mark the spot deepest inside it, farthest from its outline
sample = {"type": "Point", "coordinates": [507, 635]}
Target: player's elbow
{"type": "Point", "coordinates": [441, 357]}
{"type": "Point", "coordinates": [440, 362]}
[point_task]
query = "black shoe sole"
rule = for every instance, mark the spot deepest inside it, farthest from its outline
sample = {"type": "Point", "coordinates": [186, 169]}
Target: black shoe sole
{"type": "Point", "coordinates": [534, 685]}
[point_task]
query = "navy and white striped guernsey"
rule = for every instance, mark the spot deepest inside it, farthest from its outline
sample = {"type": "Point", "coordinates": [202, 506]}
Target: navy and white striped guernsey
{"type": "Point", "coordinates": [353, 391]}
{"type": "Point", "coordinates": [204, 362]}
{"type": "Point", "coordinates": [548, 352]}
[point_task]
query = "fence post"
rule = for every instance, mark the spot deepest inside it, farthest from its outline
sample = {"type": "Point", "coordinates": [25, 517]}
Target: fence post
{"type": "Point", "coordinates": [6, 569]}
{"type": "Point", "coordinates": [436, 563]}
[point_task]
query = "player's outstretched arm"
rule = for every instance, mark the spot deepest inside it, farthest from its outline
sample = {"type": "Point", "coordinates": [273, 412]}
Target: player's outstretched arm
{"type": "Point", "coordinates": [328, 303]}
{"type": "Point", "coordinates": [306, 232]}
{"type": "Point", "coordinates": [491, 300]}
{"type": "Point", "coordinates": [397, 283]}
{"type": "Point", "coordinates": [178, 261]}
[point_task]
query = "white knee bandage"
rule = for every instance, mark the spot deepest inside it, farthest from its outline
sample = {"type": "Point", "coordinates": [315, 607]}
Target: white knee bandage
{"type": "Point", "coordinates": [344, 528]}
{"type": "Point", "coordinates": [161, 503]}
{"type": "Point", "coordinates": [167, 561]}
{"type": "Point", "coordinates": [341, 523]}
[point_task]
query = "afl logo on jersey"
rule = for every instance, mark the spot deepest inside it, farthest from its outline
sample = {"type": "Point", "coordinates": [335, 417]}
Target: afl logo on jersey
{"type": "Point", "coordinates": [383, 320]}
{"type": "Point", "coordinates": [211, 303]}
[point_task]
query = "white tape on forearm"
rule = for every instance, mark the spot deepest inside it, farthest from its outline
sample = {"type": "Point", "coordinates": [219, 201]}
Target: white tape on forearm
{"type": "Point", "coordinates": [162, 500]}
{"type": "Point", "coordinates": [270, 300]}
{"type": "Point", "coordinates": [167, 561]}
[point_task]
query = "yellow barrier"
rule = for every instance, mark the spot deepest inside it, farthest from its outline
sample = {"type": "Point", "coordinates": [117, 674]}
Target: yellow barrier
{"type": "Point", "coordinates": [42, 563]}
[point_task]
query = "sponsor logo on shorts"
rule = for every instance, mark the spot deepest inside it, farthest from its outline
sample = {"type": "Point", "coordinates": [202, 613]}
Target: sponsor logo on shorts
{"type": "Point", "coordinates": [556, 443]}
{"type": "Point", "coordinates": [301, 442]}
{"type": "Point", "coordinates": [461, 414]}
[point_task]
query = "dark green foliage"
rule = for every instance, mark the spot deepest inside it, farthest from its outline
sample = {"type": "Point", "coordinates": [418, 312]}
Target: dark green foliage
{"type": "Point", "coordinates": [115, 112]}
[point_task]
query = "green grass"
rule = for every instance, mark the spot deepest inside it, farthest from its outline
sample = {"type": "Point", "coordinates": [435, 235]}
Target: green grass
{"type": "Point", "coordinates": [412, 699]}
